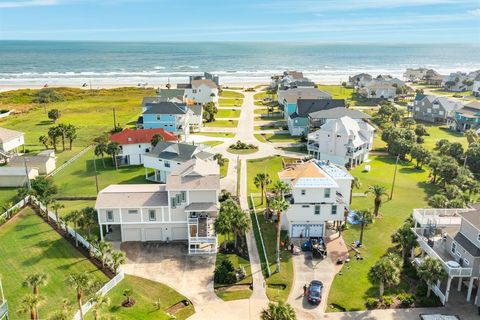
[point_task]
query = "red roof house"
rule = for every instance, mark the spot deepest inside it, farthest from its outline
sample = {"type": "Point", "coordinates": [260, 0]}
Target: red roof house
{"type": "Point", "coordinates": [129, 136]}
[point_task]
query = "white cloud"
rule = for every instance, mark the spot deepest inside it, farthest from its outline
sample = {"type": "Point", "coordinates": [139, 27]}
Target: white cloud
{"type": "Point", "coordinates": [475, 12]}
{"type": "Point", "coordinates": [28, 3]}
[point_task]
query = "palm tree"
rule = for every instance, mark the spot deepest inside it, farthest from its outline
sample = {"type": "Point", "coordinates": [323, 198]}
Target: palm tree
{"type": "Point", "coordinates": [104, 248]}
{"type": "Point", "coordinates": [99, 301]}
{"type": "Point", "coordinates": [59, 315]}
{"type": "Point", "coordinates": [279, 205]}
{"type": "Point", "coordinates": [70, 134]}
{"type": "Point", "coordinates": [113, 148]}
{"type": "Point", "coordinates": [356, 184]}
{"type": "Point", "coordinates": [127, 293]}
{"type": "Point", "coordinates": [88, 219]}
{"type": "Point", "coordinates": [83, 284]}
{"type": "Point", "coordinates": [156, 139]}
{"type": "Point", "coordinates": [430, 270]}
{"type": "Point", "coordinates": [55, 207]}
{"type": "Point", "coordinates": [118, 258]}
{"type": "Point", "coordinates": [29, 304]}
{"type": "Point", "coordinates": [100, 150]}
{"type": "Point", "coordinates": [472, 136]}
{"type": "Point", "coordinates": [280, 188]}
{"type": "Point", "coordinates": [378, 192]}
{"type": "Point", "coordinates": [386, 271]}
{"type": "Point", "coordinates": [240, 224]}
{"type": "Point", "coordinates": [262, 180]}
{"type": "Point", "coordinates": [405, 237]}
{"type": "Point", "coordinates": [92, 241]}
{"type": "Point", "coordinates": [223, 223]}
{"type": "Point", "coordinates": [35, 281]}
{"type": "Point", "coordinates": [279, 311]}
{"type": "Point", "coordinates": [74, 217]}
{"type": "Point", "coordinates": [364, 217]}
{"type": "Point", "coordinates": [44, 140]}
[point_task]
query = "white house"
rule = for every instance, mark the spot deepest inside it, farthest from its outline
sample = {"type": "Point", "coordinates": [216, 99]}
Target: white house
{"type": "Point", "coordinates": [320, 193]}
{"type": "Point", "coordinates": [184, 209]}
{"type": "Point", "coordinates": [379, 89]}
{"type": "Point", "coordinates": [196, 118]}
{"type": "Point", "coordinates": [16, 176]}
{"type": "Point", "coordinates": [415, 75]}
{"type": "Point", "coordinates": [44, 162]}
{"type": "Point", "coordinates": [134, 143]}
{"type": "Point", "coordinates": [10, 140]}
{"type": "Point", "coordinates": [200, 91]}
{"type": "Point", "coordinates": [476, 87]}
{"type": "Point", "coordinates": [344, 141]}
{"type": "Point", "coordinates": [166, 156]}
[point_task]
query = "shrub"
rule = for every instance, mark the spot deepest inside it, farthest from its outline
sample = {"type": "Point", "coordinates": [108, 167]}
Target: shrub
{"type": "Point", "coordinates": [431, 301]}
{"type": "Point", "coordinates": [406, 299]}
{"type": "Point", "coordinates": [225, 273]}
{"type": "Point", "coordinates": [372, 303]}
{"type": "Point", "coordinates": [239, 145]}
{"type": "Point", "coordinates": [422, 289]}
{"type": "Point", "coordinates": [387, 301]}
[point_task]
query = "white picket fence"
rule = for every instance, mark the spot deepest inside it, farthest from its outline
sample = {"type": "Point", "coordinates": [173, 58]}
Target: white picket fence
{"type": "Point", "coordinates": [16, 206]}
{"type": "Point", "coordinates": [75, 157]}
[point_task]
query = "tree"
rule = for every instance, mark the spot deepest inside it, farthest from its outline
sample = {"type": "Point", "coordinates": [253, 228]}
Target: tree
{"type": "Point", "coordinates": [420, 154]}
{"type": "Point", "coordinates": [156, 139]}
{"type": "Point", "coordinates": [74, 217]}
{"type": "Point", "coordinates": [127, 293]}
{"type": "Point", "coordinates": [43, 188]}
{"type": "Point", "coordinates": [456, 151]}
{"type": "Point", "coordinates": [35, 281]}
{"type": "Point", "coordinates": [406, 238]}
{"type": "Point", "coordinates": [88, 219]}
{"type": "Point", "coordinates": [240, 224]}
{"type": "Point", "coordinates": [421, 130]}
{"type": "Point", "coordinates": [378, 192]}
{"type": "Point", "coordinates": [386, 272]}
{"type": "Point", "coordinates": [280, 188]}
{"type": "Point", "coordinates": [365, 217]}
{"type": "Point", "coordinates": [53, 134]}
{"type": "Point", "coordinates": [46, 95]}
{"type": "Point", "coordinates": [279, 205]}
{"type": "Point", "coordinates": [430, 270]}
{"type": "Point", "coordinates": [118, 258]}
{"type": "Point", "coordinates": [44, 140]}
{"type": "Point", "coordinates": [104, 249]}
{"type": "Point", "coordinates": [83, 284]}
{"type": "Point", "coordinates": [434, 165]}
{"type": "Point", "coordinates": [209, 111]}
{"type": "Point", "coordinates": [29, 304]}
{"type": "Point", "coordinates": [54, 115]}
{"type": "Point", "coordinates": [262, 180]}
{"type": "Point", "coordinates": [278, 311]}
{"type": "Point", "coordinates": [62, 132]}
{"type": "Point", "coordinates": [473, 158]}
{"type": "Point", "coordinates": [100, 150]}
{"type": "Point", "coordinates": [472, 136]}
{"type": "Point", "coordinates": [220, 159]}
{"type": "Point", "coordinates": [70, 134]}
{"type": "Point", "coordinates": [98, 301]}
{"type": "Point", "coordinates": [408, 123]}
{"type": "Point", "coordinates": [55, 207]}
{"type": "Point", "coordinates": [442, 146]}
{"type": "Point", "coordinates": [113, 148]}
{"type": "Point", "coordinates": [448, 170]}
{"type": "Point", "coordinates": [438, 201]}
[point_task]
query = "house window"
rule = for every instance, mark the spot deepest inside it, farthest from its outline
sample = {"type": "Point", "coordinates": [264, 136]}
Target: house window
{"type": "Point", "coordinates": [109, 215]}
{"type": "Point", "coordinates": [151, 215]}
{"type": "Point", "coordinates": [454, 246]}
{"type": "Point", "coordinates": [466, 262]}
{"type": "Point", "coordinates": [158, 117]}
{"type": "Point", "coordinates": [317, 209]}
{"type": "Point", "coordinates": [327, 193]}
{"type": "Point", "coordinates": [174, 202]}
{"type": "Point", "coordinates": [132, 211]}
{"type": "Point", "coordinates": [334, 209]}
{"type": "Point", "coordinates": [303, 192]}
{"type": "Point", "coordinates": [184, 196]}
{"type": "Point", "coordinates": [194, 91]}
{"type": "Point", "coordinates": [178, 198]}
{"type": "Point", "coordinates": [305, 206]}
{"type": "Point", "coordinates": [167, 164]}
{"type": "Point", "coordinates": [478, 237]}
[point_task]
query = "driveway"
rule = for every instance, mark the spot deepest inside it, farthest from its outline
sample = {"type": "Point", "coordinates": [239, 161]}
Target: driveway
{"type": "Point", "coordinates": [191, 275]}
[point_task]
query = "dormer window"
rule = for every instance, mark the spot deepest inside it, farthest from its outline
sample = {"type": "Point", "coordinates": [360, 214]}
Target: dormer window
{"type": "Point", "coordinates": [158, 117]}
{"type": "Point", "coordinates": [129, 139]}
{"type": "Point", "coordinates": [478, 237]}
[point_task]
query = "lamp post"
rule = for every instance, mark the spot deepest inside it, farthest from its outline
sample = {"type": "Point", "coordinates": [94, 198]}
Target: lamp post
{"type": "Point", "coordinates": [394, 176]}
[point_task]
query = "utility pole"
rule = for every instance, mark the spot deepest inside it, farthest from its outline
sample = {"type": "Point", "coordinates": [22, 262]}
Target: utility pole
{"type": "Point", "coordinates": [29, 185]}
{"type": "Point", "coordinates": [114, 120]}
{"type": "Point", "coordinates": [95, 169]}
{"type": "Point", "coordinates": [394, 176]}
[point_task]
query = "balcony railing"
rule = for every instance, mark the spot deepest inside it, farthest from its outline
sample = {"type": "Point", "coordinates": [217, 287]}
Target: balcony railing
{"type": "Point", "coordinates": [202, 239]}
{"type": "Point", "coordinates": [3, 308]}
{"type": "Point", "coordinates": [438, 217]}
{"type": "Point", "coordinates": [452, 272]}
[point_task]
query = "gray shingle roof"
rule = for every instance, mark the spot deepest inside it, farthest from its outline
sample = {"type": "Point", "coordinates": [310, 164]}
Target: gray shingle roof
{"type": "Point", "coordinates": [307, 106]}
{"type": "Point", "coordinates": [165, 108]}
{"type": "Point", "coordinates": [337, 113]}
{"type": "Point", "coordinates": [171, 93]}
{"type": "Point", "coordinates": [7, 134]}
{"type": "Point", "coordinates": [181, 152]}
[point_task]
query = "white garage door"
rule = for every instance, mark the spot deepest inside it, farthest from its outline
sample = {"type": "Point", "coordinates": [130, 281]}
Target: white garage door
{"type": "Point", "coordinates": [179, 233]}
{"type": "Point", "coordinates": [298, 230]}
{"type": "Point", "coordinates": [132, 235]}
{"type": "Point", "coordinates": [307, 230]}
{"type": "Point", "coordinates": [315, 230]}
{"type": "Point", "coordinates": [153, 234]}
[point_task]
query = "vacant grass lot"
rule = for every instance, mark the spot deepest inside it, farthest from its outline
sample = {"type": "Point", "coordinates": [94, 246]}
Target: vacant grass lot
{"type": "Point", "coordinates": [146, 294]}
{"type": "Point", "coordinates": [231, 94]}
{"type": "Point", "coordinates": [237, 293]}
{"type": "Point", "coordinates": [221, 123]}
{"type": "Point", "coordinates": [216, 134]}
{"type": "Point", "coordinates": [28, 246]}
{"type": "Point", "coordinates": [212, 143]}
{"type": "Point", "coordinates": [271, 166]}
{"type": "Point", "coordinates": [277, 137]}
{"type": "Point", "coordinates": [337, 91]}
{"type": "Point", "coordinates": [351, 287]}
{"type": "Point", "coordinates": [442, 132]}
{"type": "Point", "coordinates": [264, 94]}
{"type": "Point", "coordinates": [228, 113]}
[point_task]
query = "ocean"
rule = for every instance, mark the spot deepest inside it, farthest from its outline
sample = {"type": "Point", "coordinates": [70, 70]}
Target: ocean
{"type": "Point", "coordinates": [34, 63]}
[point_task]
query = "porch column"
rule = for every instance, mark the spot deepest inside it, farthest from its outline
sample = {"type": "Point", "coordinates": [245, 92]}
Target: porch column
{"type": "Point", "coordinates": [470, 287]}
{"type": "Point", "coordinates": [101, 232]}
{"type": "Point", "coordinates": [146, 173]}
{"type": "Point", "coordinates": [447, 292]}
{"type": "Point", "coordinates": [412, 253]}
{"type": "Point", "coordinates": [459, 288]}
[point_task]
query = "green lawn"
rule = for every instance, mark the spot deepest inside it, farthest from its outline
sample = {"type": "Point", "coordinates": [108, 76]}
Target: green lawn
{"type": "Point", "coordinates": [242, 151]}
{"type": "Point", "coordinates": [224, 168]}
{"type": "Point", "coordinates": [302, 149]}
{"type": "Point", "coordinates": [221, 123]}
{"type": "Point", "coordinates": [29, 245]}
{"type": "Point", "coordinates": [230, 102]}
{"type": "Point", "coordinates": [237, 294]}
{"type": "Point", "coordinates": [264, 94]}
{"type": "Point", "coordinates": [228, 113]}
{"type": "Point", "coordinates": [7, 196]}
{"type": "Point", "coordinates": [351, 287]}
{"type": "Point", "coordinates": [337, 91]}
{"type": "Point", "coordinates": [216, 134]}
{"type": "Point", "coordinates": [146, 293]}
{"type": "Point", "coordinates": [442, 132]}
{"type": "Point", "coordinates": [231, 94]}
{"type": "Point", "coordinates": [270, 165]}
{"type": "Point", "coordinates": [78, 179]}
{"type": "Point", "coordinates": [212, 143]}
{"type": "Point", "coordinates": [277, 137]}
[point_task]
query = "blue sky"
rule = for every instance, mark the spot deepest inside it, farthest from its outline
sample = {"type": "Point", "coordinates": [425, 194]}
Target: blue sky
{"type": "Point", "coordinates": [374, 21]}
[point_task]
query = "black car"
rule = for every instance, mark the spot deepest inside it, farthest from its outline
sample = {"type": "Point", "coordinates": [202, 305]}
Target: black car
{"type": "Point", "coordinates": [314, 294]}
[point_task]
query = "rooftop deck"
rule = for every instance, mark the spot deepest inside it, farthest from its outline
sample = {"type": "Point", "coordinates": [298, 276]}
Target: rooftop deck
{"type": "Point", "coordinates": [438, 217]}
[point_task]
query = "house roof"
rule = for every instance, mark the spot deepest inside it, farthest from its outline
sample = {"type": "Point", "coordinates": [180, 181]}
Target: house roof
{"type": "Point", "coordinates": [336, 113]}
{"type": "Point", "coordinates": [470, 109]}
{"type": "Point", "coordinates": [147, 100]}
{"type": "Point", "coordinates": [201, 206]}
{"type": "Point", "coordinates": [132, 196]}
{"type": "Point", "coordinates": [18, 171]}
{"type": "Point", "coordinates": [473, 217]}
{"type": "Point", "coordinates": [334, 171]}
{"type": "Point", "coordinates": [302, 83]}
{"type": "Point", "coordinates": [379, 84]}
{"type": "Point", "coordinates": [184, 85]}
{"type": "Point", "coordinates": [7, 134]}
{"type": "Point", "coordinates": [166, 108]}
{"type": "Point", "coordinates": [294, 74]}
{"type": "Point", "coordinates": [448, 104]}
{"type": "Point", "coordinates": [129, 136]}
{"type": "Point", "coordinates": [307, 175]}
{"type": "Point", "coordinates": [348, 127]}
{"type": "Point", "coordinates": [292, 95]}
{"type": "Point", "coordinates": [209, 83]}
{"type": "Point", "coordinates": [195, 174]}
{"type": "Point", "coordinates": [307, 106]}
{"type": "Point", "coordinates": [40, 158]}
{"type": "Point", "coordinates": [196, 109]}
{"type": "Point", "coordinates": [181, 152]}
{"type": "Point", "coordinates": [171, 93]}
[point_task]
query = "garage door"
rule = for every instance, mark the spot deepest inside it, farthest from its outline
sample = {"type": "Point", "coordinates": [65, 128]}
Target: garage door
{"type": "Point", "coordinates": [153, 234]}
{"type": "Point", "coordinates": [132, 235]}
{"type": "Point", "coordinates": [179, 233]}
{"type": "Point", "coordinates": [307, 230]}
{"type": "Point", "coordinates": [298, 230]}
{"type": "Point", "coordinates": [315, 230]}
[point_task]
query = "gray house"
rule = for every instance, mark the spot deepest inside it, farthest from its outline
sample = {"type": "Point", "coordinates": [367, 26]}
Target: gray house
{"type": "Point", "coordinates": [451, 236]}
{"type": "Point", "coordinates": [434, 109]}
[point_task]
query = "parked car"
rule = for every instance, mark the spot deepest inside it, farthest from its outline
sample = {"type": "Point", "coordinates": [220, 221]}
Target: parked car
{"type": "Point", "coordinates": [314, 295]}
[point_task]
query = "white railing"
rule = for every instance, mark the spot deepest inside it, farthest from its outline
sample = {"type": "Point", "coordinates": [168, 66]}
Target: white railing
{"type": "Point", "coordinates": [202, 239]}
{"type": "Point", "coordinates": [438, 217]}
{"type": "Point", "coordinates": [192, 220]}
{"type": "Point", "coordinates": [3, 309]}
{"type": "Point", "coordinates": [16, 206]}
{"type": "Point", "coordinates": [439, 293]}
{"type": "Point", "coordinates": [104, 290]}
{"type": "Point", "coordinates": [75, 157]}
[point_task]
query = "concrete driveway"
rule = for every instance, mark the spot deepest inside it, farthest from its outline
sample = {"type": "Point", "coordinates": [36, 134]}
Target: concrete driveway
{"type": "Point", "coordinates": [191, 275]}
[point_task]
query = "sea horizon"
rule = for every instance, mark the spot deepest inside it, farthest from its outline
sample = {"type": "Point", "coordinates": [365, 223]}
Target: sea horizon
{"type": "Point", "coordinates": [32, 63]}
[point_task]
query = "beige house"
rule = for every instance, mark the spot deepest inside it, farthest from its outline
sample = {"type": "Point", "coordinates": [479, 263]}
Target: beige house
{"type": "Point", "coordinates": [16, 176]}
{"type": "Point", "coordinates": [184, 209]}
{"type": "Point", "coordinates": [44, 162]}
{"type": "Point", "coordinates": [10, 141]}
